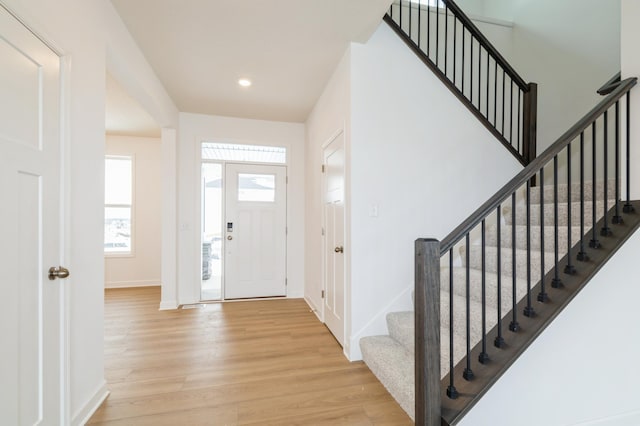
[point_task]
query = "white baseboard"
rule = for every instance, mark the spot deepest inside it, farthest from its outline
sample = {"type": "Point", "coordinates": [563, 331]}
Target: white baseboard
{"type": "Point", "coordinates": [378, 324]}
{"type": "Point", "coordinates": [83, 415]}
{"type": "Point", "coordinates": [314, 308]}
{"type": "Point", "coordinates": [126, 284]}
{"type": "Point", "coordinates": [168, 305]}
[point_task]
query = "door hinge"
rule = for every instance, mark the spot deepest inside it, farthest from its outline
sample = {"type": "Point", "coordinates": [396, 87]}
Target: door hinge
{"type": "Point", "coordinates": [323, 232]}
{"type": "Point", "coordinates": [286, 282]}
{"type": "Point", "coordinates": [322, 294]}
{"type": "Point", "coordinates": [286, 230]}
{"type": "Point", "coordinates": [287, 180]}
{"type": "Point", "coordinates": [323, 168]}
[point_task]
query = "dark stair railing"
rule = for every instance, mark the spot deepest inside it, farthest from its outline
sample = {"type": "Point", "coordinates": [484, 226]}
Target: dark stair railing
{"type": "Point", "coordinates": [610, 85]}
{"type": "Point", "coordinates": [453, 47]}
{"type": "Point", "coordinates": [601, 135]}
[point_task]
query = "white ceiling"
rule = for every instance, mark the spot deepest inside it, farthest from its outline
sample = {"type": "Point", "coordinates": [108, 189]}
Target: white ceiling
{"type": "Point", "coordinates": [288, 48]}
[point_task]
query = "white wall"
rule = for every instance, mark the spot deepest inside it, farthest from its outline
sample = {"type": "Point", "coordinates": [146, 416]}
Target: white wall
{"type": "Point", "coordinates": [142, 268]}
{"type": "Point", "coordinates": [330, 115]}
{"type": "Point", "coordinates": [570, 48]}
{"type": "Point", "coordinates": [81, 31]}
{"type": "Point", "coordinates": [415, 152]}
{"type": "Point", "coordinates": [583, 369]}
{"type": "Point", "coordinates": [196, 128]}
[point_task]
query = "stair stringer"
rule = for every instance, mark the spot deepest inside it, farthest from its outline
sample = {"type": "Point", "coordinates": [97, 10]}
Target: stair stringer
{"type": "Point", "coordinates": [583, 368]}
{"type": "Point", "coordinates": [378, 323]}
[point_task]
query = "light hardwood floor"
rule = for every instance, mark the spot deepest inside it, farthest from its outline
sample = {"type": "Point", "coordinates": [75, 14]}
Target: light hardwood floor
{"type": "Point", "coordinates": [268, 362]}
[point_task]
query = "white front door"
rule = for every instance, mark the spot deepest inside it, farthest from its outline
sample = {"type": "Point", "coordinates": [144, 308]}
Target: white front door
{"type": "Point", "coordinates": [334, 280]}
{"type": "Point", "coordinates": [255, 231]}
{"type": "Point", "coordinates": [30, 318]}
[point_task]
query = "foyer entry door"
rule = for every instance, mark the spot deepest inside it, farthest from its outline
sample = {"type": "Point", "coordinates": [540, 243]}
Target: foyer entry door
{"type": "Point", "coordinates": [333, 203]}
{"type": "Point", "coordinates": [30, 187]}
{"type": "Point", "coordinates": [255, 231]}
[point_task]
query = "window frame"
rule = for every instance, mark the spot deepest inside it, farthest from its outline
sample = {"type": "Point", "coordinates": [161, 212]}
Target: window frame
{"type": "Point", "coordinates": [131, 251]}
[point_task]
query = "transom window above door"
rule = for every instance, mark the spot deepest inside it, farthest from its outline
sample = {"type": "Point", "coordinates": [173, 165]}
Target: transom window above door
{"type": "Point", "coordinates": [244, 153]}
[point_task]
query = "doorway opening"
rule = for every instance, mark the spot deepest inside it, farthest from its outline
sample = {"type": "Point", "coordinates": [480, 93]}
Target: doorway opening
{"type": "Point", "coordinates": [243, 221]}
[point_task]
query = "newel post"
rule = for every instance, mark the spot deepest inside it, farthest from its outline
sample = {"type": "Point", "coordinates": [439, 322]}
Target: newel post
{"type": "Point", "coordinates": [530, 122]}
{"type": "Point", "coordinates": [427, 332]}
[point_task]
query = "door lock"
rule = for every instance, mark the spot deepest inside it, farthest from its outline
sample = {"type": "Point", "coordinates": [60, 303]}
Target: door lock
{"type": "Point", "coordinates": [339, 249]}
{"type": "Point", "coordinates": [59, 272]}
{"type": "Point", "coordinates": [229, 237]}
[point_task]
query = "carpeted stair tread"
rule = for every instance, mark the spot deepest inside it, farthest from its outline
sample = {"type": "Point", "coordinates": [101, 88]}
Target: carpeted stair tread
{"type": "Point", "coordinates": [563, 209]}
{"type": "Point", "coordinates": [475, 287]}
{"type": "Point", "coordinates": [491, 236]}
{"type": "Point", "coordinates": [393, 365]}
{"type": "Point", "coordinates": [575, 191]}
{"type": "Point", "coordinates": [491, 261]}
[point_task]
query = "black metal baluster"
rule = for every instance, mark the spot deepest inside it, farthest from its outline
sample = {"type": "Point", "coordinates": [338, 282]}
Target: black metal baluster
{"type": "Point", "coordinates": [582, 254]}
{"type": "Point", "coordinates": [617, 219]}
{"type": "Point", "coordinates": [628, 207]}
{"type": "Point", "coordinates": [495, 94]}
{"type": "Point", "coordinates": [437, 34]}
{"type": "Point", "coordinates": [401, 13]}
{"type": "Point", "coordinates": [556, 282]}
{"type": "Point", "coordinates": [594, 243]}
{"type": "Point", "coordinates": [419, 21]}
{"type": "Point", "coordinates": [518, 132]}
{"type": "Point", "coordinates": [487, 98]}
{"type": "Point", "coordinates": [479, 76]}
{"type": "Point", "coordinates": [513, 326]}
{"type": "Point", "coordinates": [446, 36]}
{"type": "Point", "coordinates": [503, 90]}
{"type": "Point", "coordinates": [542, 296]}
{"type": "Point", "coordinates": [569, 268]}
{"type": "Point", "coordinates": [511, 115]}
{"type": "Point", "coordinates": [528, 310]}
{"type": "Point", "coordinates": [428, 29]}
{"type": "Point", "coordinates": [455, 36]}
{"type": "Point", "coordinates": [606, 231]}
{"type": "Point", "coordinates": [471, 70]}
{"type": "Point", "coordinates": [410, 19]}
{"type": "Point", "coordinates": [483, 357]}
{"type": "Point", "coordinates": [463, 46]}
{"type": "Point", "coordinates": [468, 373]}
{"type": "Point", "coordinates": [452, 392]}
{"type": "Point", "coordinates": [499, 341]}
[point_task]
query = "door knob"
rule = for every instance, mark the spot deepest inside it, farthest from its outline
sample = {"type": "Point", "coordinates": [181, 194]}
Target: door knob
{"type": "Point", "coordinates": [59, 272]}
{"type": "Point", "coordinates": [229, 237]}
{"type": "Point", "coordinates": [339, 249]}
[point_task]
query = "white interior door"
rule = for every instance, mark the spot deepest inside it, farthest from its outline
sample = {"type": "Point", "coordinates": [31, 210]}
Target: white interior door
{"type": "Point", "coordinates": [255, 231]}
{"type": "Point", "coordinates": [334, 296]}
{"type": "Point", "coordinates": [30, 361]}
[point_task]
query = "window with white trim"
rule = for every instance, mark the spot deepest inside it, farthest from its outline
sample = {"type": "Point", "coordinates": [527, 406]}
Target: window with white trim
{"type": "Point", "coordinates": [118, 208]}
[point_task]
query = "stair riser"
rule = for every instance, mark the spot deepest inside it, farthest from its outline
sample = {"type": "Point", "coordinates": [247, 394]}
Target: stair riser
{"type": "Point", "coordinates": [475, 262]}
{"type": "Point", "coordinates": [575, 191]}
{"type": "Point", "coordinates": [521, 237]}
{"type": "Point", "coordinates": [563, 216]}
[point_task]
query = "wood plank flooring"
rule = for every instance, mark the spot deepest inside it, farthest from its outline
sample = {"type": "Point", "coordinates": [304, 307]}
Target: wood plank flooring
{"type": "Point", "coordinates": [268, 362]}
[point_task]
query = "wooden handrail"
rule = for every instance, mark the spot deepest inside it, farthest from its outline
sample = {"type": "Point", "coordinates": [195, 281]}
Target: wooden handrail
{"type": "Point", "coordinates": [529, 171]}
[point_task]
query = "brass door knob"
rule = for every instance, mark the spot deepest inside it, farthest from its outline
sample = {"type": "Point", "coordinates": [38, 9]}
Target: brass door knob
{"type": "Point", "coordinates": [339, 249]}
{"type": "Point", "coordinates": [59, 272]}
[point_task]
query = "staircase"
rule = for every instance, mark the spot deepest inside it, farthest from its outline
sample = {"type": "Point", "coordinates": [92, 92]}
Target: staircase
{"type": "Point", "coordinates": [391, 357]}
{"type": "Point", "coordinates": [490, 288]}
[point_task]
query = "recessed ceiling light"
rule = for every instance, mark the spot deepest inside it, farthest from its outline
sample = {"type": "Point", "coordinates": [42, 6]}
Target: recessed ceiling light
{"type": "Point", "coordinates": [244, 82]}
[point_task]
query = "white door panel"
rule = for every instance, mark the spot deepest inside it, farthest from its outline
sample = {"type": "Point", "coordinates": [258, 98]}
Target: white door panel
{"type": "Point", "coordinates": [334, 278]}
{"type": "Point", "coordinates": [255, 231]}
{"type": "Point", "coordinates": [30, 364]}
